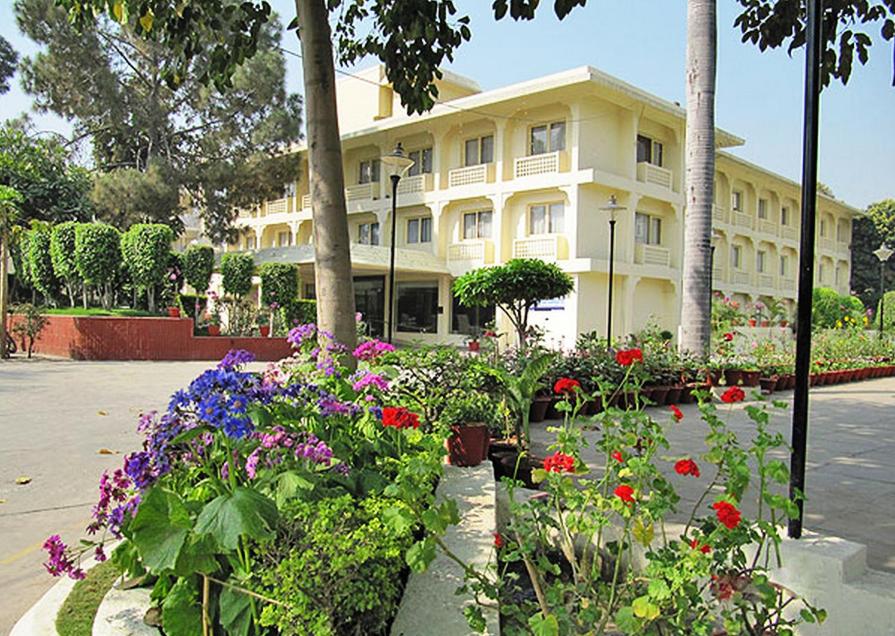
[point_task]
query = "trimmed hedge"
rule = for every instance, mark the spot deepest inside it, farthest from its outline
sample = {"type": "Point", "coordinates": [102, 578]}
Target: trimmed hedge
{"type": "Point", "coordinates": [97, 252]}
{"type": "Point", "coordinates": [279, 283]}
{"type": "Point", "coordinates": [198, 264]}
{"type": "Point", "coordinates": [236, 271]}
{"type": "Point", "coordinates": [300, 312]}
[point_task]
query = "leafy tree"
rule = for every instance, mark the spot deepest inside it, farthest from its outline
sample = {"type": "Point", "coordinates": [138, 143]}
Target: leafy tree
{"type": "Point", "coordinates": [870, 231]}
{"type": "Point", "coordinates": [279, 283]}
{"type": "Point", "coordinates": [514, 287]}
{"type": "Point", "coordinates": [40, 264]}
{"type": "Point", "coordinates": [237, 269]}
{"type": "Point", "coordinates": [62, 254]}
{"type": "Point", "coordinates": [198, 265]}
{"type": "Point", "coordinates": [830, 309]}
{"type": "Point", "coordinates": [98, 256]}
{"type": "Point", "coordinates": [8, 59]}
{"type": "Point", "coordinates": [887, 304]}
{"type": "Point", "coordinates": [144, 251]}
{"type": "Point", "coordinates": [221, 147]}
{"type": "Point", "coordinates": [10, 199]}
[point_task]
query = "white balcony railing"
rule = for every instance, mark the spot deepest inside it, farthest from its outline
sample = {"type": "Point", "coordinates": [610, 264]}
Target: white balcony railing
{"type": "Point", "coordinates": [306, 202]}
{"type": "Point", "coordinates": [743, 220]}
{"type": "Point", "coordinates": [788, 232]}
{"type": "Point", "coordinates": [549, 247]}
{"type": "Point", "coordinates": [546, 163]}
{"type": "Point", "coordinates": [719, 214]}
{"type": "Point", "coordinates": [470, 175]}
{"type": "Point", "coordinates": [718, 275]}
{"type": "Point", "coordinates": [766, 280]}
{"type": "Point", "coordinates": [788, 283]}
{"type": "Point", "coordinates": [480, 251]}
{"type": "Point", "coordinates": [651, 255]}
{"type": "Point", "coordinates": [768, 227]}
{"type": "Point", "coordinates": [825, 243]}
{"type": "Point", "coordinates": [416, 184]}
{"type": "Point", "coordinates": [362, 191]}
{"type": "Point", "coordinates": [276, 207]}
{"type": "Point", "coordinates": [657, 175]}
{"type": "Point", "coordinates": [741, 278]}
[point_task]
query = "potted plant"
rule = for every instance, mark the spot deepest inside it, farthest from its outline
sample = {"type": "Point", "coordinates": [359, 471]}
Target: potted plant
{"type": "Point", "coordinates": [173, 312]}
{"type": "Point", "coordinates": [469, 418]}
{"type": "Point", "coordinates": [263, 325]}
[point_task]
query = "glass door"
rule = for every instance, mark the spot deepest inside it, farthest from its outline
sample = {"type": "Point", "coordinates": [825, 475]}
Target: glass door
{"type": "Point", "coordinates": [369, 300]}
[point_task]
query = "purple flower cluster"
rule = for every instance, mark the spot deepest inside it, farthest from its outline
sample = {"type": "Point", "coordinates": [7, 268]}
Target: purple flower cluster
{"type": "Point", "coordinates": [314, 450]}
{"type": "Point", "coordinates": [330, 405]}
{"type": "Point", "coordinates": [368, 379]}
{"type": "Point", "coordinates": [272, 446]}
{"type": "Point", "coordinates": [302, 334]}
{"type": "Point", "coordinates": [372, 349]}
{"type": "Point", "coordinates": [236, 358]}
{"type": "Point", "coordinates": [117, 501]}
{"type": "Point", "coordinates": [138, 466]}
{"type": "Point", "coordinates": [59, 561]}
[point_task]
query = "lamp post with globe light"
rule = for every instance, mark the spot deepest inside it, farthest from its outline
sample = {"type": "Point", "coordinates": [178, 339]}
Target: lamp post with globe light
{"type": "Point", "coordinates": [612, 207]}
{"type": "Point", "coordinates": [396, 164]}
{"type": "Point", "coordinates": [883, 253]}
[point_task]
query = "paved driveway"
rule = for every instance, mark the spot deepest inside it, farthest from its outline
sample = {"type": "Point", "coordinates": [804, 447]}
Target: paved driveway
{"type": "Point", "coordinates": [850, 477]}
{"type": "Point", "coordinates": [54, 418]}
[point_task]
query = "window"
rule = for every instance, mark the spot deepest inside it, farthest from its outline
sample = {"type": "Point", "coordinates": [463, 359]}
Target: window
{"type": "Point", "coordinates": [784, 215]}
{"type": "Point", "coordinates": [736, 256]}
{"type": "Point", "coordinates": [737, 201]}
{"type": "Point", "coordinates": [763, 208]}
{"type": "Point", "coordinates": [546, 219]}
{"type": "Point", "coordinates": [821, 275]}
{"type": "Point", "coordinates": [419, 230]}
{"type": "Point", "coordinates": [477, 225]}
{"type": "Point", "coordinates": [284, 239]}
{"type": "Point", "coordinates": [418, 307]}
{"type": "Point", "coordinates": [842, 233]}
{"type": "Point", "coordinates": [647, 229]}
{"type": "Point", "coordinates": [784, 265]}
{"type": "Point", "coordinates": [250, 243]}
{"type": "Point", "coordinates": [760, 257]}
{"type": "Point", "coordinates": [368, 233]}
{"type": "Point", "coordinates": [422, 162]}
{"type": "Point", "coordinates": [478, 150]}
{"type": "Point", "coordinates": [823, 227]}
{"type": "Point", "coordinates": [650, 151]}
{"type": "Point", "coordinates": [470, 321]}
{"type": "Point", "coordinates": [368, 171]}
{"type": "Point", "coordinates": [289, 190]}
{"type": "Point", "coordinates": [547, 138]}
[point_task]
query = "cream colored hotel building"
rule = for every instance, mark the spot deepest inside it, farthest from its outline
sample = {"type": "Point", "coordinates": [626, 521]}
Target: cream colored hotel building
{"type": "Point", "coordinates": [526, 171]}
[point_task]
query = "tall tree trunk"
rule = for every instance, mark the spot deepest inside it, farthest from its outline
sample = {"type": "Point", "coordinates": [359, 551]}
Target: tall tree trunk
{"type": "Point", "coordinates": [696, 308]}
{"type": "Point", "coordinates": [4, 293]}
{"type": "Point", "coordinates": [332, 249]}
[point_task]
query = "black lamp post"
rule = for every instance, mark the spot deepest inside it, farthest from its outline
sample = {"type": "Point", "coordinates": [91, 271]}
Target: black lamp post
{"type": "Point", "coordinates": [611, 208]}
{"type": "Point", "coordinates": [883, 254]}
{"type": "Point", "coordinates": [397, 165]}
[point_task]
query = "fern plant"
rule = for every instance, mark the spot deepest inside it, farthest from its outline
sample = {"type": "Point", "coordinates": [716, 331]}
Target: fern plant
{"type": "Point", "coordinates": [522, 385]}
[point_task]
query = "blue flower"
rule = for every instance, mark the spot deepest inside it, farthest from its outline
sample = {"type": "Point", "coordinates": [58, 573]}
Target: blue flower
{"type": "Point", "coordinates": [212, 409]}
{"type": "Point", "coordinates": [236, 358]}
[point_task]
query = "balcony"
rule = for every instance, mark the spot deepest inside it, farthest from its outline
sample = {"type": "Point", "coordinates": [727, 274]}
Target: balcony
{"type": "Point", "coordinates": [719, 214]}
{"type": "Point", "coordinates": [306, 202]}
{"type": "Point", "coordinates": [548, 247]}
{"type": "Point", "coordinates": [471, 175]}
{"type": "Point", "coordinates": [547, 163]}
{"type": "Point", "coordinates": [741, 278]}
{"type": "Point", "coordinates": [825, 243]}
{"type": "Point", "coordinates": [742, 220]}
{"type": "Point", "coordinates": [362, 192]}
{"type": "Point", "coordinates": [767, 227]}
{"type": "Point", "coordinates": [718, 275]}
{"type": "Point", "coordinates": [789, 233]}
{"type": "Point", "coordinates": [651, 255]}
{"type": "Point", "coordinates": [788, 283]}
{"type": "Point", "coordinates": [766, 281]}
{"type": "Point", "coordinates": [648, 173]}
{"type": "Point", "coordinates": [416, 184]}
{"type": "Point", "coordinates": [469, 254]}
{"type": "Point", "coordinates": [279, 206]}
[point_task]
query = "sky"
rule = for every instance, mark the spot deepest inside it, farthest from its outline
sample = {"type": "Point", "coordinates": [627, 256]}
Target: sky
{"type": "Point", "coordinates": [759, 95]}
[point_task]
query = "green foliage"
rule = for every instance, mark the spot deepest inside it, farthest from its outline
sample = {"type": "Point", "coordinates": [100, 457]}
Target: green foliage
{"type": "Point", "coordinates": [832, 310]}
{"type": "Point", "coordinates": [144, 250]}
{"type": "Point", "coordinates": [62, 252]}
{"type": "Point", "coordinates": [514, 287]}
{"type": "Point", "coordinates": [237, 269]}
{"type": "Point", "coordinates": [75, 617]}
{"type": "Point", "coordinates": [473, 407]}
{"type": "Point", "coordinates": [31, 323]}
{"type": "Point", "coordinates": [97, 252]}
{"type": "Point", "coordinates": [198, 265]}
{"type": "Point", "coordinates": [522, 384]}
{"type": "Point", "coordinates": [8, 59]}
{"type": "Point", "coordinates": [126, 196]}
{"type": "Point", "coordinates": [887, 304]}
{"type": "Point", "coordinates": [341, 550]}
{"type": "Point", "coordinates": [869, 231]}
{"type": "Point", "coordinates": [279, 283]}
{"type": "Point", "coordinates": [299, 312]}
{"type": "Point", "coordinates": [40, 264]}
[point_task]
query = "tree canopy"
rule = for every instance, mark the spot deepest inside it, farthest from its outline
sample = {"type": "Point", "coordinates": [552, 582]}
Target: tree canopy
{"type": "Point", "coordinates": [224, 148]}
{"type": "Point", "coordinates": [870, 231]}
{"type": "Point", "coordinates": [8, 59]}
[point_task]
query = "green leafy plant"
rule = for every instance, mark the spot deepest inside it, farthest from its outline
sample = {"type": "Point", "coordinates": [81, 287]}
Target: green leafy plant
{"type": "Point", "coordinates": [521, 386]}
{"type": "Point", "coordinates": [40, 264]}
{"type": "Point", "coordinates": [279, 283]}
{"type": "Point", "coordinates": [31, 323]}
{"type": "Point", "coordinates": [237, 269]}
{"type": "Point", "coordinates": [97, 256]}
{"type": "Point", "coordinates": [198, 265]}
{"type": "Point", "coordinates": [62, 255]}
{"type": "Point", "coordinates": [145, 249]}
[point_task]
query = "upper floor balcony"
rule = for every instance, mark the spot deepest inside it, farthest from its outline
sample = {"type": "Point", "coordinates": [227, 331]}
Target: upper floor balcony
{"type": "Point", "coordinates": [766, 226]}
{"type": "Point", "coordinates": [719, 214]}
{"type": "Point", "coordinates": [656, 175]}
{"type": "Point", "coordinates": [789, 232]}
{"type": "Point", "coordinates": [471, 175]}
{"type": "Point", "coordinates": [469, 254]}
{"type": "Point", "coordinates": [739, 277]}
{"type": "Point", "coordinates": [548, 247]}
{"type": "Point", "coordinates": [544, 163]}
{"type": "Point", "coordinates": [362, 191]}
{"type": "Point", "coordinates": [766, 281]}
{"type": "Point", "coordinates": [741, 219]}
{"type": "Point", "coordinates": [652, 255]}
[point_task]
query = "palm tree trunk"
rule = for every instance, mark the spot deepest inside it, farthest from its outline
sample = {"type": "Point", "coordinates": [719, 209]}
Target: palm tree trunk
{"type": "Point", "coordinates": [696, 308]}
{"type": "Point", "coordinates": [332, 251]}
{"type": "Point", "coordinates": [4, 293]}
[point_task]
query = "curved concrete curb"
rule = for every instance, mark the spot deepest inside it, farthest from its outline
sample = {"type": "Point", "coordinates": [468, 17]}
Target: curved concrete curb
{"type": "Point", "coordinates": [121, 613]}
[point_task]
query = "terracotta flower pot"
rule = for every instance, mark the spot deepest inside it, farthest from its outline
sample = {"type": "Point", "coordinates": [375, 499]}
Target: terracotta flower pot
{"type": "Point", "coordinates": [674, 394]}
{"type": "Point", "coordinates": [752, 322]}
{"type": "Point", "coordinates": [660, 395]}
{"type": "Point", "coordinates": [468, 445]}
{"type": "Point", "coordinates": [751, 378]}
{"type": "Point", "coordinates": [784, 323]}
{"type": "Point", "coordinates": [595, 406]}
{"type": "Point", "coordinates": [214, 330]}
{"type": "Point", "coordinates": [264, 330]}
{"type": "Point", "coordinates": [539, 409]}
{"type": "Point", "coordinates": [765, 323]}
{"type": "Point", "coordinates": [733, 377]}
{"type": "Point", "coordinates": [173, 312]}
{"type": "Point", "coordinates": [647, 393]}
{"type": "Point", "coordinates": [768, 385]}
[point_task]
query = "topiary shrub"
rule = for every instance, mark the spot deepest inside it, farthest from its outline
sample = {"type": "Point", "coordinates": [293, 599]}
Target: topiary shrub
{"type": "Point", "coordinates": [887, 303]}
{"type": "Point", "coordinates": [62, 255]}
{"type": "Point", "coordinates": [198, 265]}
{"type": "Point", "coordinates": [145, 249]}
{"type": "Point", "coordinates": [832, 310]}
{"type": "Point", "coordinates": [279, 283]}
{"type": "Point", "coordinates": [236, 272]}
{"type": "Point", "coordinates": [40, 265]}
{"type": "Point", "coordinates": [97, 256]}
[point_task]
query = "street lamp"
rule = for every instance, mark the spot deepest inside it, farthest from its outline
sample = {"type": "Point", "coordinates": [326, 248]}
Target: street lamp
{"type": "Point", "coordinates": [611, 208]}
{"type": "Point", "coordinates": [396, 165]}
{"type": "Point", "coordinates": [716, 236]}
{"type": "Point", "coordinates": [883, 253]}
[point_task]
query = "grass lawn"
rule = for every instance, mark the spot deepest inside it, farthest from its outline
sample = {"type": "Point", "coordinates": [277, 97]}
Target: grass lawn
{"type": "Point", "coordinates": [97, 311]}
{"type": "Point", "coordinates": [75, 617]}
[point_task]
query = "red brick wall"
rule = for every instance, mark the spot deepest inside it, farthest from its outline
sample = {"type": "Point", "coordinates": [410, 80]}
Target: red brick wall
{"type": "Point", "coordinates": [113, 338]}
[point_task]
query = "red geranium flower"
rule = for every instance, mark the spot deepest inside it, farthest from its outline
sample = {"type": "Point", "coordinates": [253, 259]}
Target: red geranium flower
{"type": "Point", "coordinates": [400, 417]}
{"type": "Point", "coordinates": [686, 467]}
{"type": "Point", "coordinates": [676, 413]}
{"type": "Point", "coordinates": [733, 394]}
{"type": "Point", "coordinates": [722, 587]}
{"type": "Point", "coordinates": [617, 456]}
{"type": "Point", "coordinates": [625, 493]}
{"type": "Point", "coordinates": [705, 548]}
{"type": "Point", "coordinates": [727, 514]}
{"type": "Point", "coordinates": [498, 540]}
{"type": "Point", "coordinates": [728, 336]}
{"type": "Point", "coordinates": [559, 463]}
{"type": "Point", "coordinates": [566, 385]}
{"type": "Point", "coordinates": [627, 357]}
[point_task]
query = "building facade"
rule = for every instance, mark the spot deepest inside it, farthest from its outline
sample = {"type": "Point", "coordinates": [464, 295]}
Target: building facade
{"type": "Point", "coordinates": [527, 171]}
